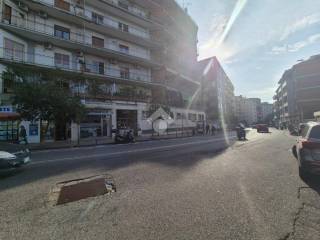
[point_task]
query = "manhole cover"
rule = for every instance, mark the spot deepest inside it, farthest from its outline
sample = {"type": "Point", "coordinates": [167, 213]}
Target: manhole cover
{"type": "Point", "coordinates": [77, 189]}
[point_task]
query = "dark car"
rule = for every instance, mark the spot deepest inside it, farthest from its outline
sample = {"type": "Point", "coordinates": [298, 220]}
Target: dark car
{"type": "Point", "coordinates": [262, 128]}
{"type": "Point", "coordinates": [307, 149]}
{"type": "Point", "coordinates": [13, 156]}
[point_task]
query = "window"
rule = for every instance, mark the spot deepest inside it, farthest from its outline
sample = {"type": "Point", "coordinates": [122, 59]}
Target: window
{"type": "Point", "coordinates": [97, 42]}
{"type": "Point", "coordinates": [304, 131]}
{"type": "Point", "coordinates": [97, 18]}
{"type": "Point", "coordinates": [62, 5]}
{"type": "Point", "coordinates": [61, 60]}
{"type": "Point", "coordinates": [123, 4]}
{"type": "Point", "coordinates": [145, 115]}
{"type": "Point", "coordinates": [123, 27]}
{"type": "Point", "coordinates": [315, 132]}
{"type": "Point", "coordinates": [98, 67]}
{"type": "Point", "coordinates": [7, 13]}
{"type": "Point", "coordinates": [124, 48]}
{"type": "Point", "coordinates": [61, 32]}
{"type": "Point", "coordinates": [13, 50]}
{"type": "Point", "coordinates": [8, 82]}
{"type": "Point", "coordinates": [124, 73]}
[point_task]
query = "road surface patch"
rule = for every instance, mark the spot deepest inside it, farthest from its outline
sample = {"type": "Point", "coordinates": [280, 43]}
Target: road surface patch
{"type": "Point", "coordinates": [78, 189]}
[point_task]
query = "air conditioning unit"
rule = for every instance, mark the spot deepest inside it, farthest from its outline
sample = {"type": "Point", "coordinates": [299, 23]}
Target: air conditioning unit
{"type": "Point", "coordinates": [43, 15]}
{"type": "Point", "coordinates": [48, 46]}
{"type": "Point", "coordinates": [23, 7]}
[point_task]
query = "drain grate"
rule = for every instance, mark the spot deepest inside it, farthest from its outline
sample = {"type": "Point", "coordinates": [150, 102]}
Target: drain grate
{"type": "Point", "coordinates": [78, 189]}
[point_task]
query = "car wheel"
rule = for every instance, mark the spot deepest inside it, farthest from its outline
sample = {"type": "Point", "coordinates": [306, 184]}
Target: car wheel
{"type": "Point", "coordinates": [294, 151]}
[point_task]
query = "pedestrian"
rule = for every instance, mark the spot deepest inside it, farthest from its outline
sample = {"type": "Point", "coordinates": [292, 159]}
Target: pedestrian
{"type": "Point", "coordinates": [213, 130]}
{"type": "Point", "coordinates": [23, 135]}
{"type": "Point", "coordinates": [207, 129]}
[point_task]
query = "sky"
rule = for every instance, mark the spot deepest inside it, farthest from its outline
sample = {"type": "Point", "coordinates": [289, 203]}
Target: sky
{"type": "Point", "coordinates": [256, 40]}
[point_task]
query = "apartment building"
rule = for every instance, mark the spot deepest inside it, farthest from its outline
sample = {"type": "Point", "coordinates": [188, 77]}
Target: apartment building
{"type": "Point", "coordinates": [217, 91]}
{"type": "Point", "coordinates": [266, 111]}
{"type": "Point", "coordinates": [247, 110]}
{"type": "Point", "coordinates": [121, 57]}
{"type": "Point", "coordinates": [297, 96]}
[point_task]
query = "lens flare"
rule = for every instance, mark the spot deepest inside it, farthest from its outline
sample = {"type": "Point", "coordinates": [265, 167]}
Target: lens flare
{"type": "Point", "coordinates": [235, 14]}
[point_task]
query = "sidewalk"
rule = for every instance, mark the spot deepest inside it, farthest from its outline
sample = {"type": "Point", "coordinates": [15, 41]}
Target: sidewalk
{"type": "Point", "coordinates": [104, 141]}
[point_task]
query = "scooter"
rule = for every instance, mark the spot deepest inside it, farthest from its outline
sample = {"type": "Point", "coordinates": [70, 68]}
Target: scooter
{"type": "Point", "coordinates": [125, 137]}
{"type": "Point", "coordinates": [241, 133]}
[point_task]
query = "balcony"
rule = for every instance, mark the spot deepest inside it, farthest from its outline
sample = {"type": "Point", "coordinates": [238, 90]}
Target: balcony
{"type": "Point", "coordinates": [64, 63]}
{"type": "Point", "coordinates": [129, 13]}
{"type": "Point", "coordinates": [86, 14]}
{"type": "Point", "coordinates": [40, 32]}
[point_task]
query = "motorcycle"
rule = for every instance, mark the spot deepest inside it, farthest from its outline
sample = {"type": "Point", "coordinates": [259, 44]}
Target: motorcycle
{"type": "Point", "coordinates": [241, 133]}
{"type": "Point", "coordinates": [124, 136]}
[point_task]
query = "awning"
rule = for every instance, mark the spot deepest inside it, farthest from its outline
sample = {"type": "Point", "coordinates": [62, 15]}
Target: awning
{"type": "Point", "coordinates": [4, 116]}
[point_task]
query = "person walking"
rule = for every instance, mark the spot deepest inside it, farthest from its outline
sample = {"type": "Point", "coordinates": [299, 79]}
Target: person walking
{"type": "Point", "coordinates": [23, 135]}
{"type": "Point", "coordinates": [207, 129]}
{"type": "Point", "coordinates": [213, 130]}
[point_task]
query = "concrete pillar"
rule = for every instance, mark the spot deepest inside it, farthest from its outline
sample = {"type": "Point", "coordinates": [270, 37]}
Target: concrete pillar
{"type": "Point", "coordinates": [75, 132]}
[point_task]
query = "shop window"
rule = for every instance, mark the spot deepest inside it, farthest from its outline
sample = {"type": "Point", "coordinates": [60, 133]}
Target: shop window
{"type": "Point", "coordinates": [123, 27]}
{"type": "Point", "coordinates": [61, 32]}
{"type": "Point", "coordinates": [97, 42]}
{"type": "Point", "coordinates": [62, 60]}
{"type": "Point", "coordinates": [13, 50]}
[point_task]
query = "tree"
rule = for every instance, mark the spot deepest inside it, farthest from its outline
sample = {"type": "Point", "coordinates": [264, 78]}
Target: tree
{"type": "Point", "coordinates": [48, 102]}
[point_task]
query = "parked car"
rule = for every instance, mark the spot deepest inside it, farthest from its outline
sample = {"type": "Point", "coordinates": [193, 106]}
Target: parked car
{"type": "Point", "coordinates": [13, 156]}
{"type": "Point", "coordinates": [307, 149]}
{"type": "Point", "coordinates": [262, 128]}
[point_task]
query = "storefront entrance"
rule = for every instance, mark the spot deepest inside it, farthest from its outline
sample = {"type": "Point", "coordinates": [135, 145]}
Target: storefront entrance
{"type": "Point", "coordinates": [96, 124]}
{"type": "Point", "coordinates": [127, 119]}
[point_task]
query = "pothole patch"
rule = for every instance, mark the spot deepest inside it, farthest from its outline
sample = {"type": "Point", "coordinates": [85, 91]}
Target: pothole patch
{"type": "Point", "coordinates": [83, 188]}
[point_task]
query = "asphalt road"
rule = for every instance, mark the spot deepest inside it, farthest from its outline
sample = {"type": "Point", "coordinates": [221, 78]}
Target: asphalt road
{"type": "Point", "coordinates": [190, 188]}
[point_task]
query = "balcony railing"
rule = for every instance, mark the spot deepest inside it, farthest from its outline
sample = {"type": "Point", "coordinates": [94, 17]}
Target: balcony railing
{"type": "Point", "coordinates": [83, 12]}
{"type": "Point", "coordinates": [119, 96]}
{"type": "Point", "coordinates": [75, 37]}
{"type": "Point", "coordinates": [23, 57]}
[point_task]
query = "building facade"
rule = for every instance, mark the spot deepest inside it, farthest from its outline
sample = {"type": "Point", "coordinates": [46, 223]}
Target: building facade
{"type": "Point", "coordinates": [217, 91]}
{"type": "Point", "coordinates": [266, 111]}
{"type": "Point", "coordinates": [247, 110]}
{"type": "Point", "coordinates": [122, 58]}
{"type": "Point", "coordinates": [298, 94]}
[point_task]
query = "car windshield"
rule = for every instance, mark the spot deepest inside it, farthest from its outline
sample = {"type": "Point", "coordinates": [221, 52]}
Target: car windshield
{"type": "Point", "coordinates": [160, 119]}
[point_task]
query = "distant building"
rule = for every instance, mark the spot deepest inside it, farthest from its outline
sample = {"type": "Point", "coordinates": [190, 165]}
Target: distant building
{"type": "Point", "coordinates": [247, 110]}
{"type": "Point", "coordinates": [217, 91]}
{"type": "Point", "coordinates": [266, 110]}
{"type": "Point", "coordinates": [298, 94]}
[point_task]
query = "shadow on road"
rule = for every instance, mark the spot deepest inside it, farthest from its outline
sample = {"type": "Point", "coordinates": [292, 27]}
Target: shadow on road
{"type": "Point", "coordinates": [182, 158]}
{"type": "Point", "coordinates": [313, 182]}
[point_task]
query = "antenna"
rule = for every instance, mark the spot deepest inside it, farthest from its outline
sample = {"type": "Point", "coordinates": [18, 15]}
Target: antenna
{"type": "Point", "coordinates": [185, 5]}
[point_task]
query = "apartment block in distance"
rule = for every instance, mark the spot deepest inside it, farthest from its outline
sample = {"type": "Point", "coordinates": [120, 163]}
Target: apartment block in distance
{"type": "Point", "coordinates": [122, 58]}
{"type": "Point", "coordinates": [217, 91]}
{"type": "Point", "coordinates": [247, 110]}
{"type": "Point", "coordinates": [297, 97]}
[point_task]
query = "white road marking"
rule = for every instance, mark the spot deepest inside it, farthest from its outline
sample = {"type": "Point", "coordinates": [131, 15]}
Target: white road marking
{"type": "Point", "coordinates": [127, 152]}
